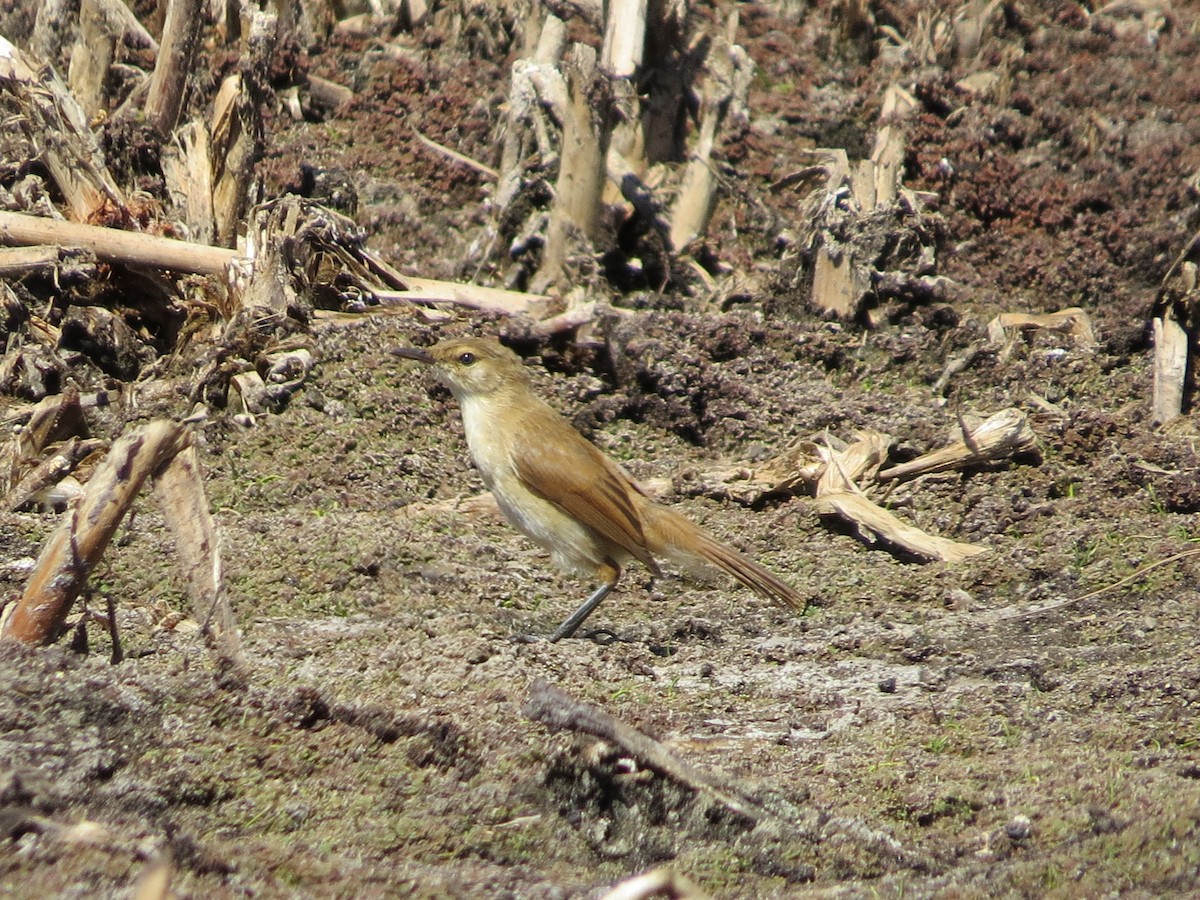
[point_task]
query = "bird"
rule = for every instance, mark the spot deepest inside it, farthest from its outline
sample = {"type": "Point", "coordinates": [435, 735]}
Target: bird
{"type": "Point", "coordinates": [561, 491]}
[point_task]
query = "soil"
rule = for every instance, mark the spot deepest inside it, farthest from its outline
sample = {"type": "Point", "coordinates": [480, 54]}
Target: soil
{"type": "Point", "coordinates": [917, 741]}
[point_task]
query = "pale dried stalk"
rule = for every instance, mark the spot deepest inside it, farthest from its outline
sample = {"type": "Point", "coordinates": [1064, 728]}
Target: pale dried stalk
{"type": "Point", "coordinates": [1074, 321]}
{"type": "Point", "coordinates": [180, 490]}
{"type": "Point", "coordinates": [582, 167]}
{"type": "Point", "coordinates": [837, 493]}
{"type": "Point", "coordinates": [470, 296]}
{"type": "Point", "coordinates": [187, 170]}
{"type": "Point", "coordinates": [168, 83]}
{"type": "Point", "coordinates": [724, 95]}
{"type": "Point", "coordinates": [856, 508]}
{"type": "Point", "coordinates": [235, 130]}
{"type": "Point", "coordinates": [624, 38]}
{"type": "Point", "coordinates": [846, 469]}
{"type": "Point", "coordinates": [1001, 436]}
{"type": "Point", "coordinates": [841, 281]}
{"type": "Point", "coordinates": [1170, 367]}
{"type": "Point", "coordinates": [54, 418]}
{"type": "Point", "coordinates": [58, 127]}
{"type": "Point", "coordinates": [661, 882]}
{"type": "Point", "coordinates": [68, 558]}
{"type": "Point", "coordinates": [50, 472]}
{"type": "Point", "coordinates": [1178, 299]}
{"type": "Point", "coordinates": [22, 260]}
{"type": "Point", "coordinates": [91, 56]}
{"type": "Point", "coordinates": [160, 450]}
{"type": "Point", "coordinates": [559, 711]}
{"type": "Point", "coordinates": [534, 79]}
{"type": "Point", "coordinates": [113, 245]}
{"type": "Point", "coordinates": [887, 158]}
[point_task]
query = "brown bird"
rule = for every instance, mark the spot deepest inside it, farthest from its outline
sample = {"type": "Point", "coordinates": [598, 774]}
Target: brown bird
{"type": "Point", "coordinates": [558, 489]}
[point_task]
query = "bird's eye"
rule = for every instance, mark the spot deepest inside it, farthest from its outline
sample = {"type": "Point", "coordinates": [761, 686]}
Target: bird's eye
{"type": "Point", "coordinates": [467, 359]}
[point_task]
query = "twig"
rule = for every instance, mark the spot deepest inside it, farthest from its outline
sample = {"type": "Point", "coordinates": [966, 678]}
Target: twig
{"type": "Point", "coordinates": [169, 82]}
{"type": "Point", "coordinates": [454, 154]}
{"type": "Point", "coordinates": [557, 709]}
{"type": "Point", "coordinates": [661, 882]}
{"type": "Point", "coordinates": [1071, 601]}
{"type": "Point", "coordinates": [113, 245]}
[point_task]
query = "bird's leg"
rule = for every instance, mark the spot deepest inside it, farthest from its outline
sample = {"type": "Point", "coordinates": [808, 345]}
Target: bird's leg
{"type": "Point", "coordinates": [575, 619]}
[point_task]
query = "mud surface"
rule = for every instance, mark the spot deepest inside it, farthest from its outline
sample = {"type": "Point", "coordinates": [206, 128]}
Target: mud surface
{"type": "Point", "coordinates": [909, 738]}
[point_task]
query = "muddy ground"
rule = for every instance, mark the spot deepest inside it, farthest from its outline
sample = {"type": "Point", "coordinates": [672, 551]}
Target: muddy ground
{"type": "Point", "coordinates": [911, 739]}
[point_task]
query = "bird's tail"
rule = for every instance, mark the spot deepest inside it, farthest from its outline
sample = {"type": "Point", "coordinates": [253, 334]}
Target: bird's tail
{"type": "Point", "coordinates": [690, 547]}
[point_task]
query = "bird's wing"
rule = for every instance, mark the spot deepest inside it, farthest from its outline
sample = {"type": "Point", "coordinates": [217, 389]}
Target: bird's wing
{"type": "Point", "coordinates": [562, 467]}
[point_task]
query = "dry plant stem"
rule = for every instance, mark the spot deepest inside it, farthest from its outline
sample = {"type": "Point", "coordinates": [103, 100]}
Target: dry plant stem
{"type": "Point", "coordinates": [155, 881]}
{"type": "Point", "coordinates": [54, 418]}
{"type": "Point", "coordinates": [847, 468]}
{"type": "Point", "coordinates": [471, 296]}
{"type": "Point", "coordinates": [1170, 367]}
{"type": "Point", "coordinates": [582, 167]}
{"type": "Point", "coordinates": [1001, 436]}
{"type": "Point", "coordinates": [180, 489]}
{"type": "Point", "coordinates": [50, 472]}
{"type": "Point", "coordinates": [558, 710]}
{"type": "Point", "coordinates": [187, 169]}
{"type": "Point", "coordinates": [1009, 615]}
{"type": "Point", "coordinates": [1175, 308]}
{"type": "Point", "coordinates": [235, 125]}
{"type": "Point", "coordinates": [624, 38]}
{"type": "Point", "coordinates": [328, 94]}
{"type": "Point", "coordinates": [454, 154]}
{"type": "Point", "coordinates": [91, 56]}
{"type": "Point", "coordinates": [22, 260]}
{"type": "Point", "coordinates": [58, 127]}
{"type": "Point", "coordinates": [113, 245]}
{"type": "Point", "coordinates": [131, 248]}
{"type": "Point", "coordinates": [860, 511]}
{"type": "Point", "coordinates": [662, 882]}
{"type": "Point", "coordinates": [168, 84]}
{"type": "Point", "coordinates": [74, 549]}
{"type": "Point", "coordinates": [525, 103]}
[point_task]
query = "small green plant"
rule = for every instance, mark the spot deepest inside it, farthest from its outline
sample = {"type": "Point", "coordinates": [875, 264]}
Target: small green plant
{"type": "Point", "coordinates": [938, 744]}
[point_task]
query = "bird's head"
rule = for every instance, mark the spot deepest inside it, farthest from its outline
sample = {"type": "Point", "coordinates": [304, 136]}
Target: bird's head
{"type": "Point", "coordinates": [470, 367]}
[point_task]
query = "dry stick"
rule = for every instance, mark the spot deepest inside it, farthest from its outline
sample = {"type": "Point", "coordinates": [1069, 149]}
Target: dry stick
{"type": "Point", "coordinates": [661, 882]}
{"type": "Point", "coordinates": [92, 55]}
{"type": "Point", "coordinates": [858, 510]}
{"type": "Point", "coordinates": [624, 38]}
{"type": "Point", "coordinates": [1171, 353]}
{"type": "Point", "coordinates": [1001, 436]}
{"type": "Point", "coordinates": [54, 122]}
{"type": "Point", "coordinates": [454, 154]}
{"type": "Point", "coordinates": [180, 488]}
{"type": "Point", "coordinates": [1178, 296]}
{"type": "Point", "coordinates": [21, 260]}
{"type": "Point", "coordinates": [67, 559]}
{"type": "Point", "coordinates": [582, 167]}
{"type": "Point", "coordinates": [557, 709]}
{"type": "Point", "coordinates": [427, 290]}
{"type": "Point", "coordinates": [1071, 601]}
{"type": "Point", "coordinates": [328, 94]}
{"type": "Point", "coordinates": [169, 81]}
{"type": "Point", "coordinates": [50, 472]}
{"type": "Point", "coordinates": [181, 256]}
{"type": "Point", "coordinates": [113, 245]}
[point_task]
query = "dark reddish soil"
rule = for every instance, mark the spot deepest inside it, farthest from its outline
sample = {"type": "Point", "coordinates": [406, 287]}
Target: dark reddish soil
{"type": "Point", "coordinates": [912, 738]}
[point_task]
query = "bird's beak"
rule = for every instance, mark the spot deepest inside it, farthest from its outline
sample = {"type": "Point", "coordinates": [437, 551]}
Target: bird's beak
{"type": "Point", "coordinates": [413, 353]}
